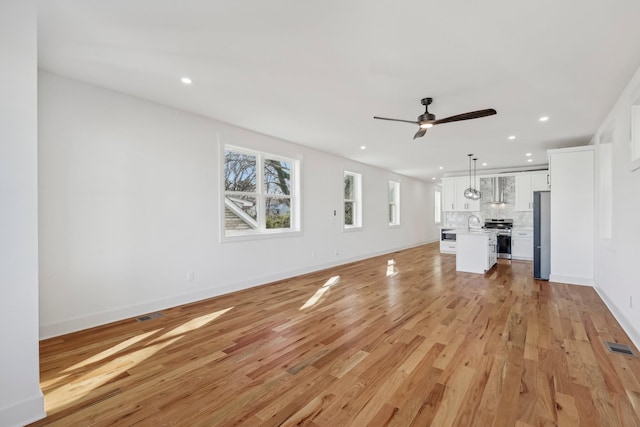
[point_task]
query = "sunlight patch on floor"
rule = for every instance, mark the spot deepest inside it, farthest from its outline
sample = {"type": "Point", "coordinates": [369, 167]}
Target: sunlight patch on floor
{"type": "Point", "coordinates": [65, 395]}
{"type": "Point", "coordinates": [111, 351]}
{"type": "Point", "coordinates": [192, 324]}
{"type": "Point", "coordinates": [69, 393]}
{"type": "Point", "coordinates": [320, 292]}
{"type": "Point", "coordinates": [392, 270]}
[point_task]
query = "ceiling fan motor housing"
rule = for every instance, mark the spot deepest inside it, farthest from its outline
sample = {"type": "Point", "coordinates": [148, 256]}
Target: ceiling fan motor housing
{"type": "Point", "coordinates": [426, 117]}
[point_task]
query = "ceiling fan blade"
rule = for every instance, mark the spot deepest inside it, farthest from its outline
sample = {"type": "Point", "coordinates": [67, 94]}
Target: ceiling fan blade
{"type": "Point", "coordinates": [466, 116]}
{"type": "Point", "coordinates": [420, 133]}
{"type": "Point", "coordinates": [396, 120]}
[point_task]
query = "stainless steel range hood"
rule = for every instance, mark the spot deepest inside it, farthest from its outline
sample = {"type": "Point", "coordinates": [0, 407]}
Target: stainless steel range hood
{"type": "Point", "coordinates": [497, 191]}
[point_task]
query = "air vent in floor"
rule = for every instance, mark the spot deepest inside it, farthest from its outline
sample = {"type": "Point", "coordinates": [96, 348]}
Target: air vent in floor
{"type": "Point", "coordinates": [149, 317]}
{"type": "Point", "coordinates": [619, 348]}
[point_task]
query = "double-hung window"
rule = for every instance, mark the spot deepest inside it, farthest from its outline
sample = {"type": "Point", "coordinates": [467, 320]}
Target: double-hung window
{"type": "Point", "coordinates": [260, 193]}
{"type": "Point", "coordinates": [437, 206]}
{"type": "Point", "coordinates": [394, 203]}
{"type": "Point", "coordinates": [352, 185]}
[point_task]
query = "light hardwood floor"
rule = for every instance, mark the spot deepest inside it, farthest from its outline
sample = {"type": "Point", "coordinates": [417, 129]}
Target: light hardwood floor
{"type": "Point", "coordinates": [415, 344]}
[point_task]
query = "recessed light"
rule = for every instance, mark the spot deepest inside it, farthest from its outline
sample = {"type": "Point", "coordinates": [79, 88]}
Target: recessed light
{"type": "Point", "coordinates": [529, 160]}
{"type": "Point", "coordinates": [512, 137]}
{"type": "Point", "coordinates": [528, 154]}
{"type": "Point", "coordinates": [186, 80]}
{"type": "Point", "coordinates": [363, 147]}
{"type": "Point", "coordinates": [441, 167]}
{"type": "Point", "coordinates": [484, 164]}
{"type": "Point", "coordinates": [544, 118]}
{"type": "Point", "coordinates": [433, 177]}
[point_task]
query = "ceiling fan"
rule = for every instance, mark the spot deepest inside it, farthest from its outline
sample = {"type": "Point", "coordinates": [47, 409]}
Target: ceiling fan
{"type": "Point", "coordinates": [427, 120]}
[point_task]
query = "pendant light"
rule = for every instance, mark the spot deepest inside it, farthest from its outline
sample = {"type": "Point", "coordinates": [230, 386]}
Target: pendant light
{"type": "Point", "coordinates": [476, 193]}
{"type": "Point", "coordinates": [468, 192]}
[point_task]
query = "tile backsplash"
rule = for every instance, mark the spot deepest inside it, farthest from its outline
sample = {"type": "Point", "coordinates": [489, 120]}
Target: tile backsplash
{"type": "Point", "coordinates": [487, 210]}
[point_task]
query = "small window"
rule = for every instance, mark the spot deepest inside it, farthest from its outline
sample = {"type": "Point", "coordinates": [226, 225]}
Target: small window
{"type": "Point", "coordinates": [394, 203]}
{"type": "Point", "coordinates": [259, 193]}
{"type": "Point", "coordinates": [352, 200]}
{"type": "Point", "coordinates": [437, 206]}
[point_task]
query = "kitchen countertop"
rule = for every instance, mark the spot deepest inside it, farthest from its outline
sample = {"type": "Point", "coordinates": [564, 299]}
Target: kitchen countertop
{"type": "Point", "coordinates": [473, 231]}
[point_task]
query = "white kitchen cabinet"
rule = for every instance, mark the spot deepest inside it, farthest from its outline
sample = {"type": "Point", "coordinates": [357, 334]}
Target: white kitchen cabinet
{"type": "Point", "coordinates": [462, 203]}
{"type": "Point", "coordinates": [572, 215]}
{"type": "Point", "coordinates": [522, 245]}
{"type": "Point", "coordinates": [475, 252]}
{"type": "Point", "coordinates": [447, 247]}
{"type": "Point", "coordinates": [453, 199]}
{"type": "Point", "coordinates": [540, 181]}
{"type": "Point", "coordinates": [526, 184]}
{"type": "Point", "coordinates": [448, 195]}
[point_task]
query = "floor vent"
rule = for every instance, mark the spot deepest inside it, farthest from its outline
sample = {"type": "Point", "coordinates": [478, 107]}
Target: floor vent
{"type": "Point", "coordinates": [149, 317]}
{"type": "Point", "coordinates": [619, 348]}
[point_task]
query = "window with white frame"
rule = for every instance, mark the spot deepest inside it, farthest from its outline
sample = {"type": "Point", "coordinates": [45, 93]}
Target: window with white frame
{"type": "Point", "coordinates": [437, 206]}
{"type": "Point", "coordinates": [260, 193]}
{"type": "Point", "coordinates": [352, 200]}
{"type": "Point", "coordinates": [394, 203]}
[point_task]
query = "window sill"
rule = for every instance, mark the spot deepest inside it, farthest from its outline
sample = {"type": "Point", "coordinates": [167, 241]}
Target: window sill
{"type": "Point", "coordinates": [239, 237]}
{"type": "Point", "coordinates": [393, 226]}
{"type": "Point", "coordinates": [352, 228]}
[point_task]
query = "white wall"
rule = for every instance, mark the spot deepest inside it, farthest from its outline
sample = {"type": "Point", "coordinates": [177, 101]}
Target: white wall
{"type": "Point", "coordinates": [617, 245]}
{"type": "Point", "coordinates": [129, 203]}
{"type": "Point", "coordinates": [20, 397]}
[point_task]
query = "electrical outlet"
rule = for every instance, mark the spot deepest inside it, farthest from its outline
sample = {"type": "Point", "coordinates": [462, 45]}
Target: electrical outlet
{"type": "Point", "coordinates": [337, 252]}
{"type": "Point", "coordinates": [190, 276]}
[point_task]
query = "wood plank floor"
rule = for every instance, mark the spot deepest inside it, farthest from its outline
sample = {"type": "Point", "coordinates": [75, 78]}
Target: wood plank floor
{"type": "Point", "coordinates": [369, 343]}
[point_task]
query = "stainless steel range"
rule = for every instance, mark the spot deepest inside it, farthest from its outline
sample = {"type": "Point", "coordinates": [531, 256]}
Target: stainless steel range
{"type": "Point", "coordinates": [503, 226]}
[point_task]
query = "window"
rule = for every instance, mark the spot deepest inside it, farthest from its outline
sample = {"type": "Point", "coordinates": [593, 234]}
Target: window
{"type": "Point", "coordinates": [259, 193]}
{"type": "Point", "coordinates": [394, 203]}
{"type": "Point", "coordinates": [437, 206]}
{"type": "Point", "coordinates": [352, 200]}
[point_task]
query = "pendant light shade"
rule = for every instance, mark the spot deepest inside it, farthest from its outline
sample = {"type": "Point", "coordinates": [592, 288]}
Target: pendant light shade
{"type": "Point", "coordinates": [469, 191]}
{"type": "Point", "coordinates": [476, 193]}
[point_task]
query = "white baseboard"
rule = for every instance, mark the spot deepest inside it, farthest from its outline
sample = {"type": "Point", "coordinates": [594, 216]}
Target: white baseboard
{"type": "Point", "coordinates": [627, 326]}
{"type": "Point", "coordinates": [101, 318]}
{"type": "Point", "coordinates": [584, 281]}
{"type": "Point", "coordinates": [23, 413]}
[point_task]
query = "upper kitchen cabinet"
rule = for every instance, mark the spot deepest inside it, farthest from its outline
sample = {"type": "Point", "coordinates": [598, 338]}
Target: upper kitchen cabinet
{"type": "Point", "coordinates": [453, 199]}
{"type": "Point", "coordinates": [448, 195]}
{"type": "Point", "coordinates": [526, 184]}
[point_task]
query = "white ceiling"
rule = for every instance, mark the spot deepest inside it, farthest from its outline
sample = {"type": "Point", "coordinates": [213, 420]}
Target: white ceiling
{"type": "Point", "coordinates": [315, 73]}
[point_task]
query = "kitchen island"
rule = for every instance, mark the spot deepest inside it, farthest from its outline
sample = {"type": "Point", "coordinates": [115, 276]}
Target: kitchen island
{"type": "Point", "coordinates": [475, 250]}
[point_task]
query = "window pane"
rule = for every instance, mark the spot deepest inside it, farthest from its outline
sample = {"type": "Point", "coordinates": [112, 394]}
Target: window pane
{"type": "Point", "coordinates": [392, 192]}
{"type": "Point", "coordinates": [240, 213]}
{"type": "Point", "coordinates": [239, 172]}
{"type": "Point", "coordinates": [277, 177]}
{"type": "Point", "coordinates": [278, 214]}
{"type": "Point", "coordinates": [392, 214]}
{"type": "Point", "coordinates": [348, 213]}
{"type": "Point", "coordinates": [348, 187]}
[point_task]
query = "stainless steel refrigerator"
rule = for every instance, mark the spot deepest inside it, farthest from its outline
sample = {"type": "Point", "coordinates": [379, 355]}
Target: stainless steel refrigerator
{"type": "Point", "coordinates": [541, 234]}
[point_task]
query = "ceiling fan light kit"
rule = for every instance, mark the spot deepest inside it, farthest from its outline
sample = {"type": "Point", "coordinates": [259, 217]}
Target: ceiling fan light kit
{"type": "Point", "coordinates": [427, 120]}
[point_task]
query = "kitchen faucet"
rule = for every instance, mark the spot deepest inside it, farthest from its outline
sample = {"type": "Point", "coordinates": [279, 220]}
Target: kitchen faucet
{"type": "Point", "coordinates": [469, 221]}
